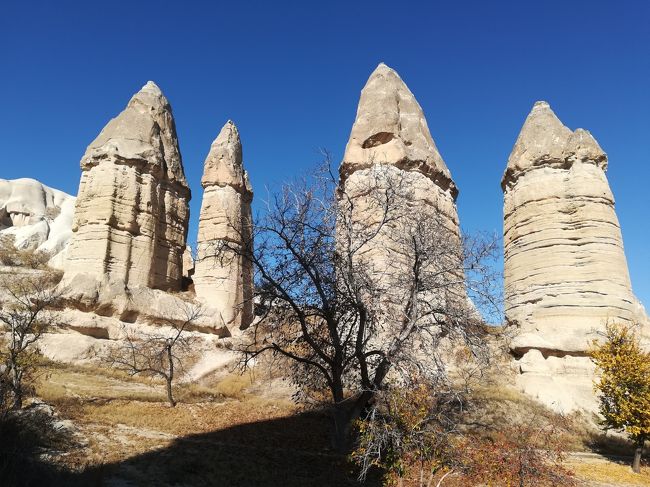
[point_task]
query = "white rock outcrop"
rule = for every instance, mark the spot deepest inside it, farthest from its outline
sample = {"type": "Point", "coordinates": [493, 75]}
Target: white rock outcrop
{"type": "Point", "coordinates": [37, 216]}
{"type": "Point", "coordinates": [131, 216]}
{"type": "Point", "coordinates": [565, 269]}
{"type": "Point", "coordinates": [224, 279]}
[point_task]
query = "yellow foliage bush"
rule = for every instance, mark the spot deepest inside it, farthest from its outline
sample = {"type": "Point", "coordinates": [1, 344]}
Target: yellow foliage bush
{"type": "Point", "coordinates": [623, 384]}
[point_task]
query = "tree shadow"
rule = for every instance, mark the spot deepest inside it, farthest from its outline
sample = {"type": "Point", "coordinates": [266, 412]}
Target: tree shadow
{"type": "Point", "coordinates": [291, 451]}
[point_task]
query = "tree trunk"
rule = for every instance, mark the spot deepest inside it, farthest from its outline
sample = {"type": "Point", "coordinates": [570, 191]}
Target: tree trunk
{"type": "Point", "coordinates": [170, 376]}
{"type": "Point", "coordinates": [344, 417]}
{"type": "Point", "coordinates": [170, 397]}
{"type": "Point", "coordinates": [341, 429]}
{"type": "Point", "coordinates": [16, 388]}
{"type": "Point", "coordinates": [17, 400]}
{"type": "Point", "coordinates": [636, 463]}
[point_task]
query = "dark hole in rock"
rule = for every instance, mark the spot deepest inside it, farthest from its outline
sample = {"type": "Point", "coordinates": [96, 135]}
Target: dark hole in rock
{"type": "Point", "coordinates": [129, 316]}
{"type": "Point", "coordinates": [378, 139]}
{"type": "Point", "coordinates": [95, 332]}
{"type": "Point", "coordinates": [5, 219]}
{"type": "Point", "coordinates": [105, 310]}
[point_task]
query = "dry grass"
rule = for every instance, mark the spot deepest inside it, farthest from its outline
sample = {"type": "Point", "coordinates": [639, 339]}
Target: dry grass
{"type": "Point", "coordinates": [129, 429]}
{"type": "Point", "coordinates": [184, 419]}
{"type": "Point", "coordinates": [234, 385]}
{"type": "Point", "coordinates": [122, 416]}
{"type": "Point", "coordinates": [500, 406]}
{"type": "Point", "coordinates": [59, 385]}
{"type": "Point", "coordinates": [57, 382]}
{"type": "Point", "coordinates": [610, 473]}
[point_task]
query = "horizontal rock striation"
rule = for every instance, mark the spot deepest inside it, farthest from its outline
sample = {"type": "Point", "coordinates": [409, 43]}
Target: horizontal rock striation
{"type": "Point", "coordinates": [224, 279]}
{"type": "Point", "coordinates": [131, 217]}
{"type": "Point", "coordinates": [565, 268]}
{"type": "Point", "coordinates": [564, 265]}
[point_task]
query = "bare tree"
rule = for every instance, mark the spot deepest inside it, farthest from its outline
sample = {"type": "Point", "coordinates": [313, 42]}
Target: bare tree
{"type": "Point", "coordinates": [159, 354]}
{"type": "Point", "coordinates": [361, 285]}
{"type": "Point", "coordinates": [27, 302]}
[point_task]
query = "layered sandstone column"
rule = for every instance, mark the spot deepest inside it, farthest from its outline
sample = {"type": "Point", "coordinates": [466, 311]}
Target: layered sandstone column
{"type": "Point", "coordinates": [391, 151]}
{"type": "Point", "coordinates": [565, 268]}
{"type": "Point", "coordinates": [223, 278]}
{"type": "Point", "coordinates": [131, 215]}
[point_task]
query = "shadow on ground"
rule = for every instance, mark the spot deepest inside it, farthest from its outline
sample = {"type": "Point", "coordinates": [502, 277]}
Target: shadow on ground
{"type": "Point", "coordinates": [291, 451]}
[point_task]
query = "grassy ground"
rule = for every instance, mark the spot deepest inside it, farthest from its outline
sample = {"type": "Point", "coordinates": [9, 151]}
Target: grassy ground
{"type": "Point", "coordinates": [603, 471]}
{"type": "Point", "coordinates": [234, 430]}
{"type": "Point", "coordinates": [218, 434]}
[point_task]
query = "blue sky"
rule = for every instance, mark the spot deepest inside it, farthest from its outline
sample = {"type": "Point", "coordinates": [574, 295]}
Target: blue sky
{"type": "Point", "coordinates": [289, 74]}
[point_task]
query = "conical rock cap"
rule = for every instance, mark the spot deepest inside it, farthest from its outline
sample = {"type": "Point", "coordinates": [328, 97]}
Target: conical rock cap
{"type": "Point", "coordinates": [545, 140]}
{"type": "Point", "coordinates": [390, 128]}
{"type": "Point", "coordinates": [224, 163]}
{"type": "Point", "coordinates": [143, 134]}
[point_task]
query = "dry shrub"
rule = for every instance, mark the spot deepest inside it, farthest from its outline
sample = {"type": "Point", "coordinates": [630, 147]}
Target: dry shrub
{"type": "Point", "coordinates": [409, 433]}
{"type": "Point", "coordinates": [413, 438]}
{"type": "Point", "coordinates": [521, 455]}
{"type": "Point", "coordinates": [235, 384]}
{"type": "Point", "coordinates": [8, 251]}
{"type": "Point", "coordinates": [10, 255]}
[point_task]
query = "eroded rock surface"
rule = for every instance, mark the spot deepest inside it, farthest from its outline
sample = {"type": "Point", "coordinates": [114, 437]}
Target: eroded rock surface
{"type": "Point", "coordinates": [391, 162]}
{"type": "Point", "coordinates": [390, 128]}
{"type": "Point", "coordinates": [565, 269]}
{"type": "Point", "coordinates": [223, 279]}
{"type": "Point", "coordinates": [131, 216]}
{"type": "Point", "coordinates": [37, 216]}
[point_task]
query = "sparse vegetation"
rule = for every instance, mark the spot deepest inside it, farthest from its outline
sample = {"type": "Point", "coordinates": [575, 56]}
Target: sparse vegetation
{"type": "Point", "coordinates": [26, 312]}
{"type": "Point", "coordinates": [624, 386]}
{"type": "Point", "coordinates": [10, 255]}
{"type": "Point", "coordinates": [528, 454]}
{"type": "Point", "coordinates": [214, 438]}
{"type": "Point", "coordinates": [158, 354]}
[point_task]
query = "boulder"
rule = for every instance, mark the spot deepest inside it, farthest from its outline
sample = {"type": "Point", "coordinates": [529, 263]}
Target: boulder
{"type": "Point", "coordinates": [142, 306]}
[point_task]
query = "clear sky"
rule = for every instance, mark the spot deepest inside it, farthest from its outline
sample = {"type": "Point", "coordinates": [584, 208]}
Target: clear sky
{"type": "Point", "coordinates": [289, 74]}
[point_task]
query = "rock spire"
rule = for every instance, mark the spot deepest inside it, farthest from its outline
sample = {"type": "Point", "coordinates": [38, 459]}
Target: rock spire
{"type": "Point", "coordinates": [131, 215]}
{"type": "Point", "coordinates": [391, 155]}
{"type": "Point", "coordinates": [565, 269]}
{"type": "Point", "coordinates": [225, 280]}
